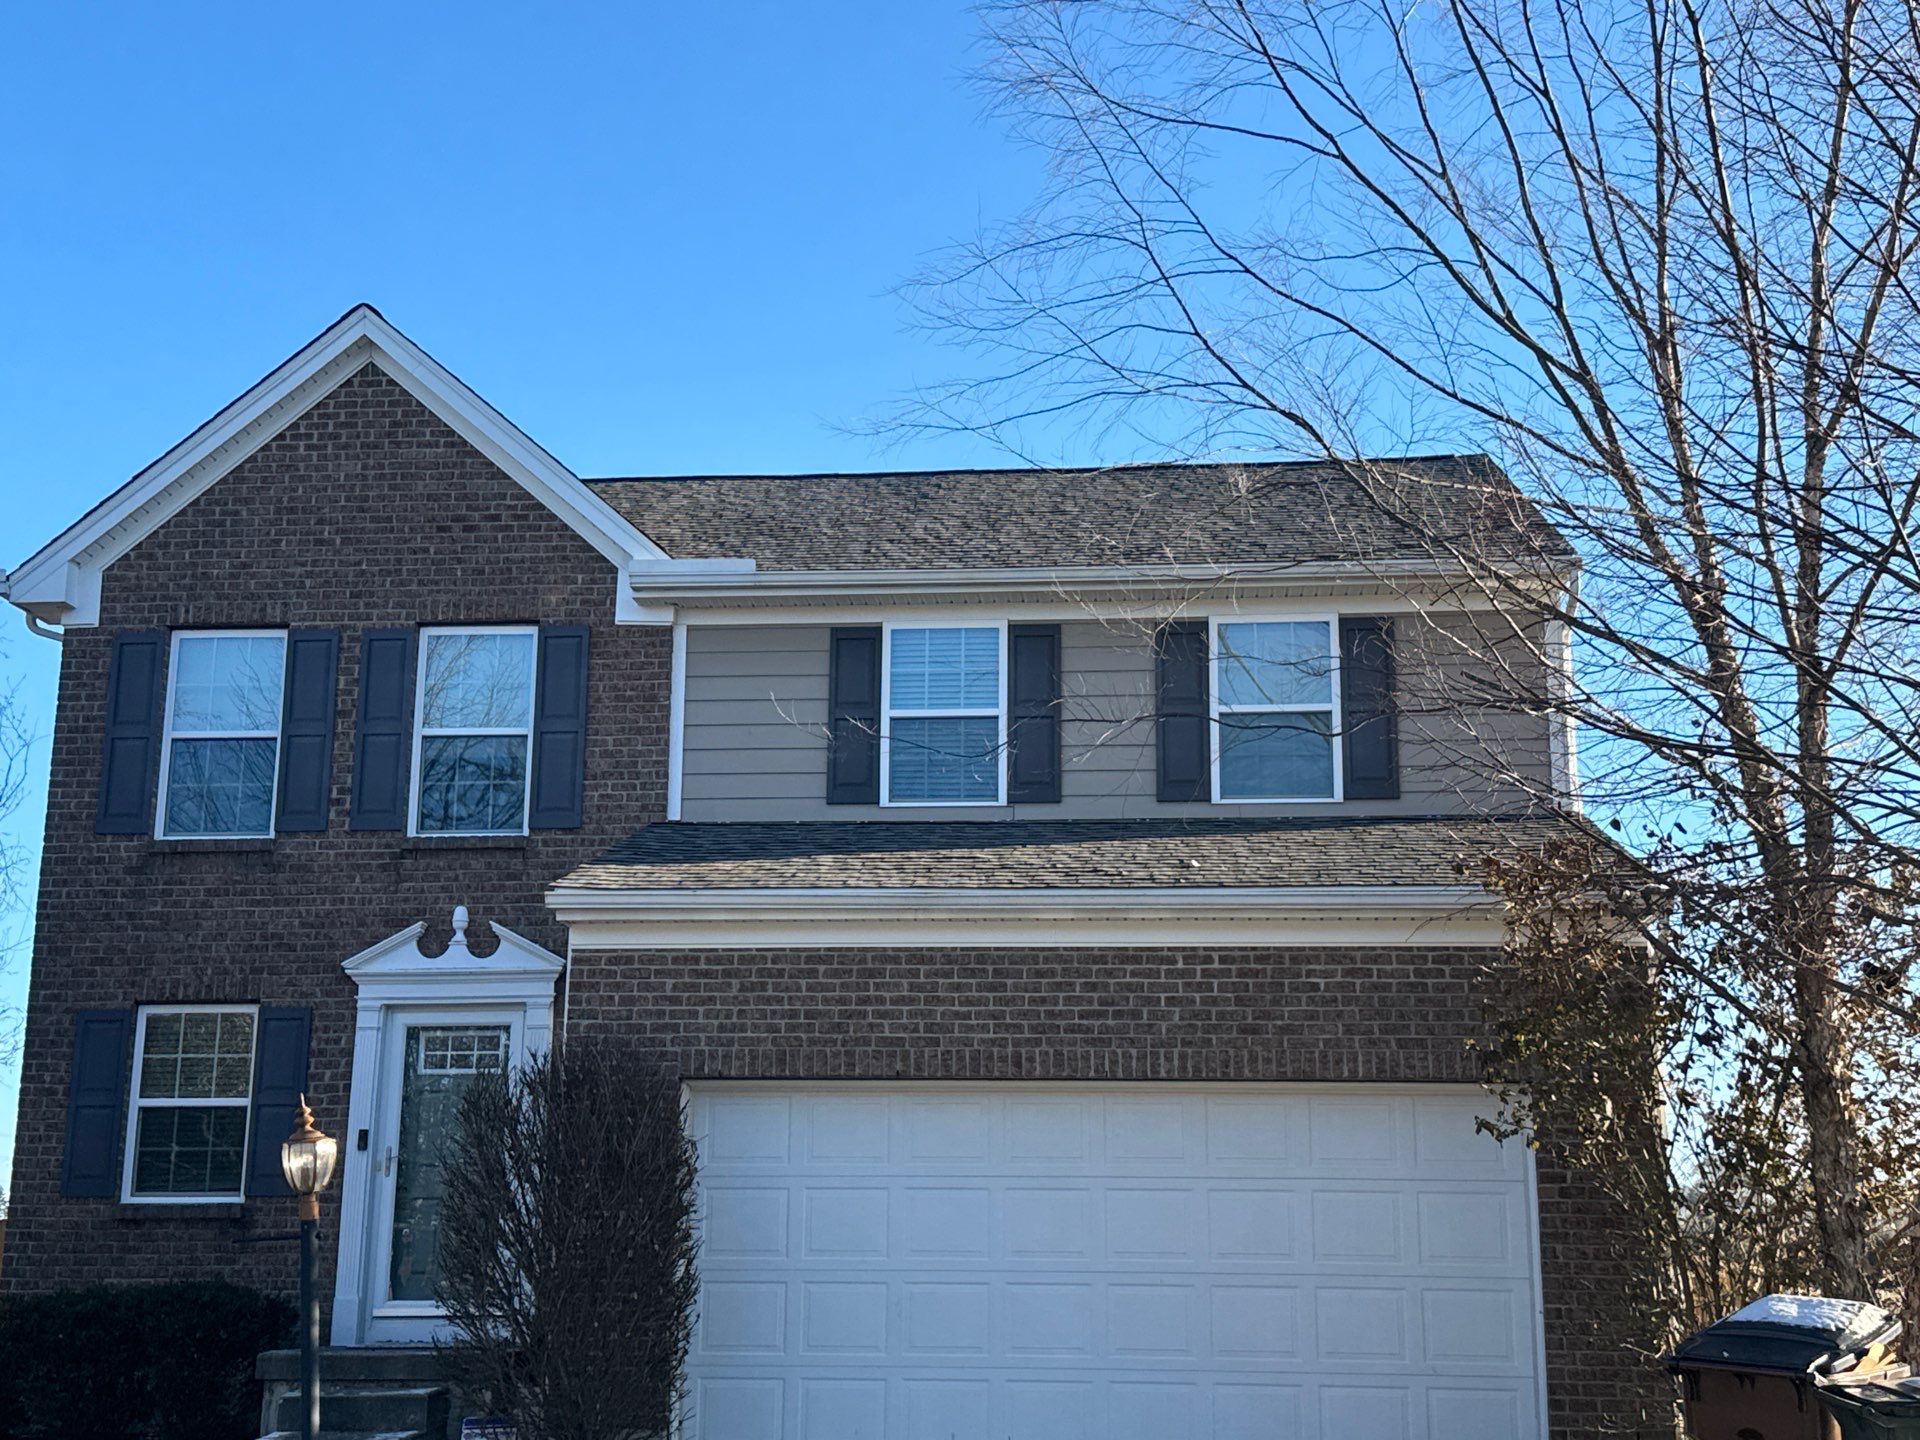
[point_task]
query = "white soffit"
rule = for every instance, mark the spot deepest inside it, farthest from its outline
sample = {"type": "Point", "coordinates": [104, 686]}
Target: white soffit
{"type": "Point", "coordinates": [61, 583]}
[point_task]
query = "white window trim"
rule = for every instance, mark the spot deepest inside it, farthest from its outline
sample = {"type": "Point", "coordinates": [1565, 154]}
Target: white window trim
{"type": "Point", "coordinates": [420, 733]}
{"type": "Point", "coordinates": [168, 735]}
{"type": "Point", "coordinates": [888, 714]}
{"type": "Point", "coordinates": [135, 1105]}
{"type": "Point", "coordinates": [1331, 709]}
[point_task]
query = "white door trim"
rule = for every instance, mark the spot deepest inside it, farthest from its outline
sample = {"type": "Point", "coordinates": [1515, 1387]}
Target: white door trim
{"type": "Point", "coordinates": [396, 975]}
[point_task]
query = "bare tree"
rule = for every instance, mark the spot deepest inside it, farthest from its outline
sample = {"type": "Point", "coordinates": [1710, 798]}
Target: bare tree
{"type": "Point", "coordinates": [1657, 261]}
{"type": "Point", "coordinates": [16, 741]}
{"type": "Point", "coordinates": [566, 1244]}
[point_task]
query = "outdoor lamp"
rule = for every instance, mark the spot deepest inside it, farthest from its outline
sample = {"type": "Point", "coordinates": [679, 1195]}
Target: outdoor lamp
{"type": "Point", "coordinates": [307, 1159]}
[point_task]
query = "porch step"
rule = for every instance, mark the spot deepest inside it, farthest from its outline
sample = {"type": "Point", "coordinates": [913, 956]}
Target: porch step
{"type": "Point", "coordinates": [365, 1410]}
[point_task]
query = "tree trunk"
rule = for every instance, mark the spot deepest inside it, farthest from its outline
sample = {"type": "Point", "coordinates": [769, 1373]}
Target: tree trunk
{"type": "Point", "coordinates": [1833, 1147]}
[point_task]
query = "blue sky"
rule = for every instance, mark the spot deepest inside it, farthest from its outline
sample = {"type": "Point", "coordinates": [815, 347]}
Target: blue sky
{"type": "Point", "coordinates": [660, 238]}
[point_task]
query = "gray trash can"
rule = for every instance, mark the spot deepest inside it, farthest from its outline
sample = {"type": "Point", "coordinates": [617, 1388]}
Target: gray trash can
{"type": "Point", "coordinates": [1752, 1375]}
{"type": "Point", "coordinates": [1882, 1409]}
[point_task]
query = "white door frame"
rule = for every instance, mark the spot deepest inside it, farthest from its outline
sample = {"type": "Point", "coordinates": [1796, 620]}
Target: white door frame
{"type": "Point", "coordinates": [398, 980]}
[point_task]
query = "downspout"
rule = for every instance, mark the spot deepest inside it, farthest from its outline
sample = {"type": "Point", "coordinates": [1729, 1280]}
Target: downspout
{"type": "Point", "coordinates": [34, 622]}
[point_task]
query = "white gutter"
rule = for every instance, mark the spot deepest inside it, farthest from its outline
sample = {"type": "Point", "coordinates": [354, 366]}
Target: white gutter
{"type": "Point", "coordinates": [660, 584]}
{"type": "Point", "coordinates": [604, 919]}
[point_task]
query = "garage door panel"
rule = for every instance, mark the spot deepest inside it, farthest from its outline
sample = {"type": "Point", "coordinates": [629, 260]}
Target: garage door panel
{"type": "Point", "coordinates": [980, 1262]}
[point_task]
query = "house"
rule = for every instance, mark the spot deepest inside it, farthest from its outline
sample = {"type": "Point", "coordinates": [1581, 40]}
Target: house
{"type": "Point", "coordinates": [1059, 907]}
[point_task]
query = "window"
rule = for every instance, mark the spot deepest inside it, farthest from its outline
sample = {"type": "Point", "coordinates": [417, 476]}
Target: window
{"type": "Point", "coordinates": [192, 1086]}
{"type": "Point", "coordinates": [1274, 688]}
{"type": "Point", "coordinates": [475, 723]}
{"type": "Point", "coordinates": [222, 750]}
{"type": "Point", "coordinates": [944, 734]}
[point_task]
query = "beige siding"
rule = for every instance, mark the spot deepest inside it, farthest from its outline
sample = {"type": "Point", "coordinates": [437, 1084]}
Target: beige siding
{"type": "Point", "coordinates": [756, 728]}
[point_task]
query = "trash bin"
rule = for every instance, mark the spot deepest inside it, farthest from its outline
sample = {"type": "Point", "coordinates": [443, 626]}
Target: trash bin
{"type": "Point", "coordinates": [1877, 1409]}
{"type": "Point", "coordinates": [1752, 1375]}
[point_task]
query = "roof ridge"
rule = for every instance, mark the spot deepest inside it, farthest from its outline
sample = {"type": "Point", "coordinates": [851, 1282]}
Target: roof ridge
{"type": "Point", "coordinates": [1129, 466]}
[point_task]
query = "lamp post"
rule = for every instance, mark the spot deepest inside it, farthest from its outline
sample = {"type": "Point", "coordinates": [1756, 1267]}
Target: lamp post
{"type": "Point", "coordinates": [307, 1159]}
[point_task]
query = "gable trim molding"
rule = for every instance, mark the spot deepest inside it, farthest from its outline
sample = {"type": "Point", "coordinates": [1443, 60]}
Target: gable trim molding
{"type": "Point", "coordinates": [60, 584]}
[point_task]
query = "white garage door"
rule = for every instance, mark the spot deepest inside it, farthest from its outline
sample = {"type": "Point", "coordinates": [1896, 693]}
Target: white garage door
{"type": "Point", "coordinates": [1181, 1262]}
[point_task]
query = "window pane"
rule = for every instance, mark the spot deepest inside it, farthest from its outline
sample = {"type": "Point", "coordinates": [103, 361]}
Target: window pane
{"type": "Point", "coordinates": [198, 1055]}
{"type": "Point", "coordinates": [229, 683]}
{"type": "Point", "coordinates": [1276, 757]}
{"type": "Point", "coordinates": [1284, 662]}
{"type": "Point", "coordinates": [190, 1150]}
{"type": "Point", "coordinates": [221, 787]}
{"type": "Point", "coordinates": [946, 669]}
{"type": "Point", "coordinates": [944, 760]}
{"type": "Point", "coordinates": [472, 783]}
{"type": "Point", "coordinates": [477, 682]}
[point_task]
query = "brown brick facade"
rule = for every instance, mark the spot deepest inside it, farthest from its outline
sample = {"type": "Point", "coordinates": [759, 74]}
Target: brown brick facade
{"type": "Point", "coordinates": [369, 511]}
{"type": "Point", "coordinates": [366, 511]}
{"type": "Point", "coordinates": [1401, 1015]}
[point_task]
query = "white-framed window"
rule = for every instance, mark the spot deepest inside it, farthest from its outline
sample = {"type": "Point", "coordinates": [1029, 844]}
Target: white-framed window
{"type": "Point", "coordinates": [943, 729]}
{"type": "Point", "coordinates": [189, 1104]}
{"type": "Point", "coordinates": [1275, 695]}
{"type": "Point", "coordinates": [473, 730]}
{"type": "Point", "coordinates": [220, 761]}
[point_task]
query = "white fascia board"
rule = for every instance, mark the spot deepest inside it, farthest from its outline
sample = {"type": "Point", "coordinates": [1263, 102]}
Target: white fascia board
{"type": "Point", "coordinates": [1138, 586]}
{"type": "Point", "coordinates": [1068, 918]}
{"type": "Point", "coordinates": [61, 582]}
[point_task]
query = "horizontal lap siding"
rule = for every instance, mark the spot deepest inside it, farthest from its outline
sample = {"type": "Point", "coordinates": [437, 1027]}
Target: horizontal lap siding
{"type": "Point", "coordinates": [756, 726]}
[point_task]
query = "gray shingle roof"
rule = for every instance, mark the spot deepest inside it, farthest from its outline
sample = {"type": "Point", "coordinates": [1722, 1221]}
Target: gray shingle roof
{"type": "Point", "coordinates": [1064, 854]}
{"type": "Point", "coordinates": [1288, 514]}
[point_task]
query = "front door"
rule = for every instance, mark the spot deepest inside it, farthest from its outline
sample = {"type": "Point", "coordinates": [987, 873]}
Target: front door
{"type": "Point", "coordinates": [430, 1058]}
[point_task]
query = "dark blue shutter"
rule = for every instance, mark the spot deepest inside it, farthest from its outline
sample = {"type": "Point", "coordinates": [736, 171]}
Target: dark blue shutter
{"type": "Point", "coordinates": [383, 730]}
{"type": "Point", "coordinates": [1033, 714]}
{"type": "Point", "coordinates": [560, 729]}
{"type": "Point", "coordinates": [279, 1079]}
{"type": "Point", "coordinates": [853, 718]}
{"type": "Point", "coordinates": [1372, 768]}
{"type": "Point", "coordinates": [1182, 727]}
{"type": "Point", "coordinates": [306, 730]}
{"type": "Point", "coordinates": [96, 1103]}
{"type": "Point", "coordinates": [130, 754]}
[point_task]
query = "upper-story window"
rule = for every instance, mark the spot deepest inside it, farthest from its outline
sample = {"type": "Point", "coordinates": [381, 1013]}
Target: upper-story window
{"type": "Point", "coordinates": [192, 1096]}
{"type": "Point", "coordinates": [1274, 689]}
{"type": "Point", "coordinates": [474, 730]}
{"type": "Point", "coordinates": [943, 735]}
{"type": "Point", "coordinates": [222, 752]}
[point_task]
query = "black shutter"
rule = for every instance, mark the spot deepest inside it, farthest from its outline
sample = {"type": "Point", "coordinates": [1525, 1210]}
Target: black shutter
{"type": "Point", "coordinates": [1367, 709]}
{"type": "Point", "coordinates": [279, 1079]}
{"type": "Point", "coordinates": [128, 758]}
{"type": "Point", "coordinates": [560, 729]}
{"type": "Point", "coordinates": [96, 1103]}
{"type": "Point", "coordinates": [1182, 726]}
{"type": "Point", "coordinates": [1033, 714]}
{"type": "Point", "coordinates": [306, 730]}
{"type": "Point", "coordinates": [853, 721]}
{"type": "Point", "coordinates": [383, 730]}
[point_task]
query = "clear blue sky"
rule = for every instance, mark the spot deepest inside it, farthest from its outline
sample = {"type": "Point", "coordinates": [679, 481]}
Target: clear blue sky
{"type": "Point", "coordinates": [660, 238]}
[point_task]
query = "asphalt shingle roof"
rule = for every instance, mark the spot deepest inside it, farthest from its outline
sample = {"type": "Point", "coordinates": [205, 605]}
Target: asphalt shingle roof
{"type": "Point", "coordinates": [1292, 514]}
{"type": "Point", "coordinates": [1060, 854]}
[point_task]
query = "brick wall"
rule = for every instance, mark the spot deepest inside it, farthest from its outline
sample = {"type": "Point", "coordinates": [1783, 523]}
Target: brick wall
{"type": "Point", "coordinates": [366, 511]}
{"type": "Point", "coordinates": [1137, 1014]}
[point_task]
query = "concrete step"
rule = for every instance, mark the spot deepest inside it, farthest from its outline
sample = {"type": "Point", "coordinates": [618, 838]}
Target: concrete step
{"type": "Point", "coordinates": [363, 1409]}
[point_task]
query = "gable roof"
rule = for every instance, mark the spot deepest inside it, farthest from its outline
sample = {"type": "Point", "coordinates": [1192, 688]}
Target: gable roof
{"type": "Point", "coordinates": [1288, 853]}
{"type": "Point", "coordinates": [61, 582]}
{"type": "Point", "coordinates": [1144, 515]}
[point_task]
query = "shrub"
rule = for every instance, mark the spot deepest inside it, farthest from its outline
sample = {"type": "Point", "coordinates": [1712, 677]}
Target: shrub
{"type": "Point", "coordinates": [171, 1361]}
{"type": "Point", "coordinates": [566, 1244]}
